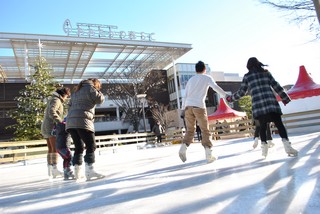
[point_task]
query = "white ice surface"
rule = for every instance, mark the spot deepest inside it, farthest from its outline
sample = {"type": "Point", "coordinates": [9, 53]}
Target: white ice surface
{"type": "Point", "coordinates": [156, 181]}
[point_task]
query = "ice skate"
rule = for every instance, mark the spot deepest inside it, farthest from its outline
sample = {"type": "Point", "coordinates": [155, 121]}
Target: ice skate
{"type": "Point", "coordinates": [182, 152]}
{"type": "Point", "coordinates": [209, 156]}
{"type": "Point", "coordinates": [68, 174]}
{"type": "Point", "coordinates": [91, 174]}
{"type": "Point", "coordinates": [255, 144]}
{"type": "Point", "coordinates": [78, 172]}
{"type": "Point", "coordinates": [264, 148]}
{"type": "Point", "coordinates": [49, 171]}
{"type": "Point", "coordinates": [55, 172]}
{"type": "Point", "coordinates": [270, 143]}
{"type": "Point", "coordinates": [288, 148]}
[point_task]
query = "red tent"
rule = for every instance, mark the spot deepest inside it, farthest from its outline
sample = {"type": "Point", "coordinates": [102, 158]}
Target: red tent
{"type": "Point", "coordinates": [304, 87]}
{"type": "Point", "coordinates": [225, 112]}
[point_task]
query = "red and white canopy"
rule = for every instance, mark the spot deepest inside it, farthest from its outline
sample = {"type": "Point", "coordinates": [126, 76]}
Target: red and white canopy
{"type": "Point", "coordinates": [225, 112]}
{"type": "Point", "coordinates": [304, 87]}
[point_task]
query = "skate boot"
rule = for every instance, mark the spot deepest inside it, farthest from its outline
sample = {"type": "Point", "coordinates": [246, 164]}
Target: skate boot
{"type": "Point", "coordinates": [255, 144]}
{"type": "Point", "coordinates": [209, 156]}
{"type": "Point", "coordinates": [55, 172]}
{"type": "Point", "coordinates": [270, 143]}
{"type": "Point", "coordinates": [264, 148]}
{"type": "Point", "coordinates": [49, 170]}
{"type": "Point", "coordinates": [78, 172]}
{"type": "Point", "coordinates": [91, 174]}
{"type": "Point", "coordinates": [182, 152]}
{"type": "Point", "coordinates": [288, 148]}
{"type": "Point", "coordinates": [68, 174]}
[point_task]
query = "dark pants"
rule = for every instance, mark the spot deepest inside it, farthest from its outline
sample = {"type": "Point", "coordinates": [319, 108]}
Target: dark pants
{"type": "Point", "coordinates": [159, 138]}
{"type": "Point", "coordinates": [276, 119]}
{"type": "Point", "coordinates": [257, 130]}
{"type": "Point", "coordinates": [83, 139]}
{"type": "Point", "coordinates": [63, 142]}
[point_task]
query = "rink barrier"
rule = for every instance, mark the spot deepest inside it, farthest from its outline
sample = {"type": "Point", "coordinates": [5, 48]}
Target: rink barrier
{"type": "Point", "coordinates": [15, 151]}
{"type": "Point", "coordinates": [306, 121]}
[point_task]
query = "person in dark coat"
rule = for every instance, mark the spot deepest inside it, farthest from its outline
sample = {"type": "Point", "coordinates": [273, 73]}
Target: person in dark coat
{"type": "Point", "coordinates": [80, 124]}
{"type": "Point", "coordinates": [265, 107]}
{"type": "Point", "coordinates": [158, 130]}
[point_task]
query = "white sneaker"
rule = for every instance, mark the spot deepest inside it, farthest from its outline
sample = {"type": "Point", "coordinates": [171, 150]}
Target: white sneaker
{"type": "Point", "coordinates": [288, 148]}
{"type": "Point", "coordinates": [264, 148]}
{"type": "Point", "coordinates": [270, 143]}
{"type": "Point", "coordinates": [209, 157]}
{"type": "Point", "coordinates": [255, 144]}
{"type": "Point", "coordinates": [182, 152]}
{"type": "Point", "coordinates": [91, 174]}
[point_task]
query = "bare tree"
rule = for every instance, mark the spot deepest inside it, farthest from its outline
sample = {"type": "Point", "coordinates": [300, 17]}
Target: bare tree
{"type": "Point", "coordinates": [302, 11]}
{"type": "Point", "coordinates": [124, 90]}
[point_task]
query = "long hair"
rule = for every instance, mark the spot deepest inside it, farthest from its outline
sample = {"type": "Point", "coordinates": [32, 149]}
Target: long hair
{"type": "Point", "coordinates": [254, 65]}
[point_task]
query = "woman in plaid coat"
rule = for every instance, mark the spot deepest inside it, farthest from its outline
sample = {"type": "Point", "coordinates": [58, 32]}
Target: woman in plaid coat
{"type": "Point", "coordinates": [265, 108]}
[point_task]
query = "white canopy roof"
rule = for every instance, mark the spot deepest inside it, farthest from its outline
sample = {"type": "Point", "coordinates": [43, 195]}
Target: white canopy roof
{"type": "Point", "coordinates": [75, 58]}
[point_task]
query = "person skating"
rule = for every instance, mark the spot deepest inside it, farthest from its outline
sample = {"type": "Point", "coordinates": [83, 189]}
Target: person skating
{"type": "Point", "coordinates": [194, 109]}
{"type": "Point", "coordinates": [80, 125]}
{"type": "Point", "coordinates": [265, 107]}
{"type": "Point", "coordinates": [257, 134]}
{"type": "Point", "coordinates": [53, 115]}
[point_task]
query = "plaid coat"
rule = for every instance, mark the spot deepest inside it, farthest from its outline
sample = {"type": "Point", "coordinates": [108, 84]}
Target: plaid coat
{"type": "Point", "coordinates": [261, 86]}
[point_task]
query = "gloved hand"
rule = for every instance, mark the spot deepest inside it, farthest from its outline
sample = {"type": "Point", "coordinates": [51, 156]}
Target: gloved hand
{"type": "Point", "coordinates": [229, 99]}
{"type": "Point", "coordinates": [182, 114]}
{"type": "Point", "coordinates": [285, 102]}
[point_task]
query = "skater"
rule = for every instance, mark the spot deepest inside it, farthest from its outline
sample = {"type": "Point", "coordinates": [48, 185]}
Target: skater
{"type": "Point", "coordinates": [194, 109]}
{"type": "Point", "coordinates": [257, 134]}
{"type": "Point", "coordinates": [265, 107]}
{"type": "Point", "coordinates": [53, 115]}
{"type": "Point", "coordinates": [80, 125]}
{"type": "Point", "coordinates": [158, 130]}
{"type": "Point", "coordinates": [63, 142]}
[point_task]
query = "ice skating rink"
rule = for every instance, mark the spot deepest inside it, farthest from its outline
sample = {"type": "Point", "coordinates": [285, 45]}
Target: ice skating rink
{"type": "Point", "coordinates": [156, 181]}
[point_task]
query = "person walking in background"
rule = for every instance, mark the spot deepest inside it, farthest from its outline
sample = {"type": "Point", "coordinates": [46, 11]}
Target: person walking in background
{"type": "Point", "coordinates": [80, 125]}
{"type": "Point", "coordinates": [53, 116]}
{"type": "Point", "coordinates": [257, 134]}
{"type": "Point", "coordinates": [158, 130]}
{"type": "Point", "coordinates": [63, 142]}
{"type": "Point", "coordinates": [265, 107]}
{"type": "Point", "coordinates": [198, 130]}
{"type": "Point", "coordinates": [194, 109]}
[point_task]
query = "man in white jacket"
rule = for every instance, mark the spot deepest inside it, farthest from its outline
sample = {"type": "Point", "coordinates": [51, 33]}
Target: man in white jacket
{"type": "Point", "coordinates": [194, 110]}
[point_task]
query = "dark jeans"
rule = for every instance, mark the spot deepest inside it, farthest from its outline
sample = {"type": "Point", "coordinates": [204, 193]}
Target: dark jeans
{"type": "Point", "coordinates": [257, 130]}
{"type": "Point", "coordinates": [63, 142]}
{"type": "Point", "coordinates": [276, 119]}
{"type": "Point", "coordinates": [83, 138]}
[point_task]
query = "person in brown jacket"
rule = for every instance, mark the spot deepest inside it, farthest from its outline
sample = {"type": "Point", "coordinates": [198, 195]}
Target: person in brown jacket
{"type": "Point", "coordinates": [54, 114]}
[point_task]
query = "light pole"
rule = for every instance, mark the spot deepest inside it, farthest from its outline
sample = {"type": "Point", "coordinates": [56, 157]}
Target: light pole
{"type": "Point", "coordinates": [142, 97]}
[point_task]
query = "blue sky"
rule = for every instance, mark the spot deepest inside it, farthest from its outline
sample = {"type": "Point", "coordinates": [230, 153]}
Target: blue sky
{"type": "Point", "coordinates": [223, 34]}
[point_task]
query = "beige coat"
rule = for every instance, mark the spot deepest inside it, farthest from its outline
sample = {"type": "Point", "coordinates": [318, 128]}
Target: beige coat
{"type": "Point", "coordinates": [52, 115]}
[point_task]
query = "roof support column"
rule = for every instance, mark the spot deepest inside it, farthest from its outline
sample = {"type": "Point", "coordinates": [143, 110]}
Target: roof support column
{"type": "Point", "coordinates": [26, 64]}
{"type": "Point", "coordinates": [176, 83]}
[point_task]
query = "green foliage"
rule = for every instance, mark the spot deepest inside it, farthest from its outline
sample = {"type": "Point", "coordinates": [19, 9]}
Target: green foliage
{"type": "Point", "coordinates": [31, 103]}
{"type": "Point", "coordinates": [246, 105]}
